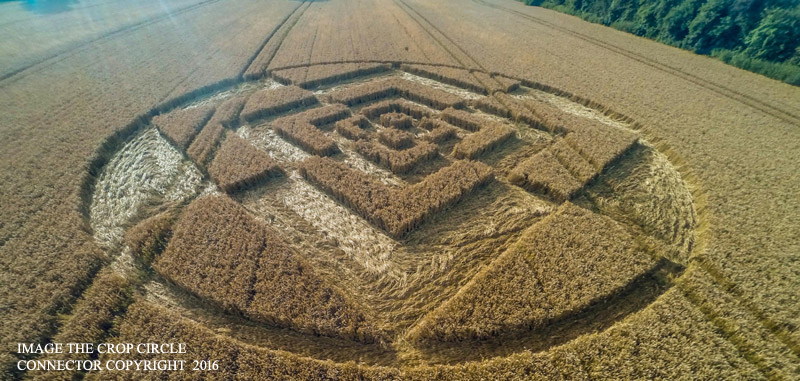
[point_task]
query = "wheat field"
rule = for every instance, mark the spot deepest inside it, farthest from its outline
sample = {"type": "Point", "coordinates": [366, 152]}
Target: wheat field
{"type": "Point", "coordinates": [392, 189]}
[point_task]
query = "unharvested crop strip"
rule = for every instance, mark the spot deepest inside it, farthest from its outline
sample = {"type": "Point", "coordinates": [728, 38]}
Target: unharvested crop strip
{"type": "Point", "coordinates": [491, 105]}
{"type": "Point", "coordinates": [573, 161]}
{"type": "Point", "coordinates": [220, 252]}
{"type": "Point", "coordinates": [181, 126]}
{"type": "Point", "coordinates": [303, 130]}
{"type": "Point", "coordinates": [202, 147]}
{"type": "Point", "coordinates": [373, 91]}
{"type": "Point", "coordinates": [521, 113]}
{"type": "Point", "coordinates": [396, 120]}
{"type": "Point", "coordinates": [463, 119]}
{"type": "Point", "coordinates": [332, 73]}
{"type": "Point", "coordinates": [368, 92]}
{"type": "Point", "coordinates": [353, 127]}
{"type": "Point", "coordinates": [428, 96]}
{"type": "Point", "coordinates": [269, 102]}
{"type": "Point", "coordinates": [323, 115]}
{"type": "Point", "coordinates": [306, 135]}
{"type": "Point", "coordinates": [640, 293]}
{"type": "Point", "coordinates": [439, 130]}
{"type": "Point", "coordinates": [237, 164]}
{"type": "Point", "coordinates": [456, 77]}
{"type": "Point", "coordinates": [391, 63]}
{"type": "Point", "coordinates": [394, 138]}
{"type": "Point", "coordinates": [482, 141]}
{"type": "Point", "coordinates": [543, 173]}
{"type": "Point", "coordinates": [399, 162]}
{"type": "Point", "coordinates": [601, 144]}
{"type": "Point", "coordinates": [228, 112]}
{"type": "Point", "coordinates": [397, 210]}
{"type": "Point", "coordinates": [597, 260]}
{"type": "Point", "coordinates": [391, 105]}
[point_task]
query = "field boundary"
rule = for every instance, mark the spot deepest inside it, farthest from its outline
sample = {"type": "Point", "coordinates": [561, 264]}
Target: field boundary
{"type": "Point", "coordinates": [721, 90]}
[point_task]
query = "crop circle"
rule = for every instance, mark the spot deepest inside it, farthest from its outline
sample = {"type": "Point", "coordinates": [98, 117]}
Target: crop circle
{"type": "Point", "coordinates": [400, 215]}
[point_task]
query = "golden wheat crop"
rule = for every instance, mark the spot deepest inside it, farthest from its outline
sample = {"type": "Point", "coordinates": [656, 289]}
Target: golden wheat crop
{"type": "Point", "coordinates": [319, 75]}
{"type": "Point", "coordinates": [394, 138]}
{"type": "Point", "coordinates": [387, 106]}
{"type": "Point", "coordinates": [640, 227]}
{"type": "Point", "coordinates": [238, 164]}
{"type": "Point", "coordinates": [245, 265]}
{"type": "Point", "coordinates": [268, 102]}
{"type": "Point", "coordinates": [305, 135]}
{"type": "Point", "coordinates": [488, 138]}
{"type": "Point", "coordinates": [396, 120]}
{"type": "Point", "coordinates": [203, 145]}
{"type": "Point", "coordinates": [544, 173]}
{"type": "Point", "coordinates": [396, 210]}
{"type": "Point", "coordinates": [353, 127]}
{"type": "Point", "coordinates": [463, 119]}
{"type": "Point", "coordinates": [397, 161]}
{"type": "Point", "coordinates": [573, 258]}
{"type": "Point", "coordinates": [454, 76]}
{"type": "Point", "coordinates": [439, 130]}
{"type": "Point", "coordinates": [181, 126]}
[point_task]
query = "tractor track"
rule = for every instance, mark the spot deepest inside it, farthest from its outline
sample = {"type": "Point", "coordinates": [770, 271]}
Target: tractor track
{"type": "Point", "coordinates": [32, 68]}
{"type": "Point", "coordinates": [776, 112]}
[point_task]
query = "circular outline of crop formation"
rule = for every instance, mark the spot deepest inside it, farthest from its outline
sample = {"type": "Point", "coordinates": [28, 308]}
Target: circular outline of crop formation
{"type": "Point", "coordinates": [395, 214]}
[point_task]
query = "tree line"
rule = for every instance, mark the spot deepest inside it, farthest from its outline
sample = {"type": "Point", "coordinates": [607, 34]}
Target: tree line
{"type": "Point", "coordinates": [762, 36]}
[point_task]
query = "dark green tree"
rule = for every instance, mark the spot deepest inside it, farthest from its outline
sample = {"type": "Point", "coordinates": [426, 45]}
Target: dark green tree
{"type": "Point", "coordinates": [776, 37]}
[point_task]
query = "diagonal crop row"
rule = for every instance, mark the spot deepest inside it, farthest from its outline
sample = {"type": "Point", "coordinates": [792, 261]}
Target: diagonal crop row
{"type": "Point", "coordinates": [376, 90]}
{"type": "Point", "coordinates": [487, 139]}
{"type": "Point", "coordinates": [397, 210]}
{"type": "Point", "coordinates": [302, 128]}
{"type": "Point", "coordinates": [237, 164]}
{"type": "Point", "coordinates": [398, 162]}
{"type": "Point", "coordinates": [353, 128]}
{"type": "Point", "coordinates": [270, 102]}
{"type": "Point", "coordinates": [309, 77]}
{"type": "Point", "coordinates": [221, 253]}
{"type": "Point", "coordinates": [571, 260]}
{"type": "Point", "coordinates": [392, 105]}
{"type": "Point", "coordinates": [181, 125]}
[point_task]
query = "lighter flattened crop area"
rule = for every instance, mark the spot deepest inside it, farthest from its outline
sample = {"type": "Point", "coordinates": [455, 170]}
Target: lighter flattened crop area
{"type": "Point", "coordinates": [266, 139]}
{"type": "Point", "coordinates": [146, 172]}
{"type": "Point", "coordinates": [466, 94]}
{"type": "Point", "coordinates": [568, 106]}
{"type": "Point", "coordinates": [649, 192]}
{"type": "Point", "coordinates": [356, 237]}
